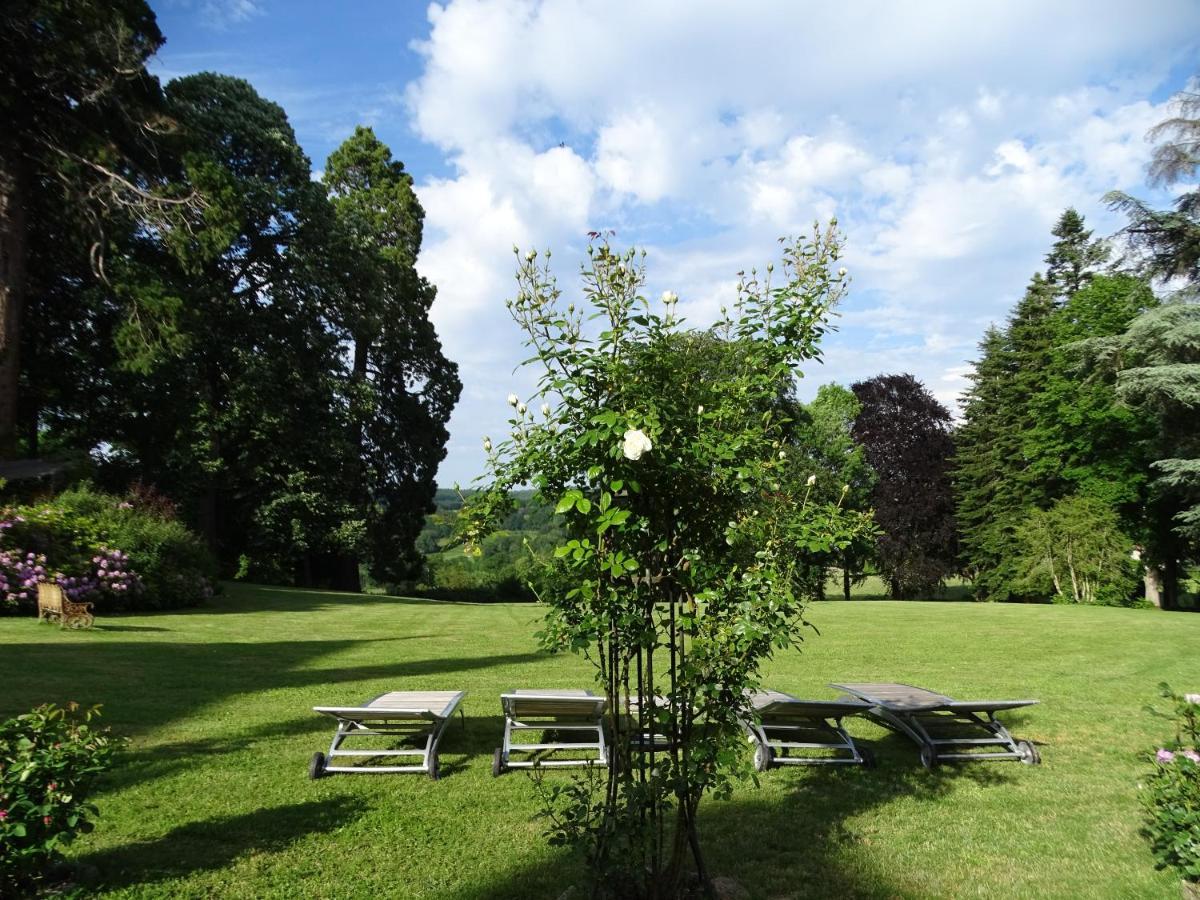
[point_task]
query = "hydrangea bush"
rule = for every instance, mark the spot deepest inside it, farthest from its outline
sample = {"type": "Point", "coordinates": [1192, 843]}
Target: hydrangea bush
{"type": "Point", "coordinates": [116, 552]}
{"type": "Point", "coordinates": [1171, 793]}
{"type": "Point", "coordinates": [689, 527]}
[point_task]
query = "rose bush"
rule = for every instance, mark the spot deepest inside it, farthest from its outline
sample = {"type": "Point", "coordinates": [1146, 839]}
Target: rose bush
{"type": "Point", "coordinates": [1171, 793]}
{"type": "Point", "coordinates": [689, 531]}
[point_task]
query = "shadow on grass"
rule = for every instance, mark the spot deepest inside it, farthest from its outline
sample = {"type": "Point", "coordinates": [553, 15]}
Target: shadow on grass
{"type": "Point", "coordinates": [106, 627]}
{"type": "Point", "coordinates": [145, 686]}
{"type": "Point", "coordinates": [803, 842]}
{"type": "Point", "coordinates": [217, 843]}
{"type": "Point", "coordinates": [241, 597]}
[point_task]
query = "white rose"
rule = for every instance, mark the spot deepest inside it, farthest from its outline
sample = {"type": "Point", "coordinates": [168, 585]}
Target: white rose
{"type": "Point", "coordinates": [842, 273]}
{"type": "Point", "coordinates": [531, 256]}
{"type": "Point", "coordinates": [521, 408]}
{"type": "Point", "coordinates": [782, 454]}
{"type": "Point", "coordinates": [812, 479]}
{"type": "Point", "coordinates": [636, 443]}
{"type": "Point", "coordinates": [545, 409]}
{"type": "Point", "coordinates": [669, 297]}
{"type": "Point", "coordinates": [513, 400]}
{"type": "Point", "coordinates": [700, 410]}
{"type": "Point", "coordinates": [487, 445]}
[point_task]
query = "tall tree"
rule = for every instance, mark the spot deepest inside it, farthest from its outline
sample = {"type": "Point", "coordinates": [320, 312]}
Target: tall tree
{"type": "Point", "coordinates": [1165, 244]}
{"type": "Point", "coordinates": [1075, 257]}
{"type": "Point", "coordinates": [82, 118]}
{"type": "Point", "coordinates": [1157, 366]}
{"type": "Point", "coordinates": [907, 437]}
{"type": "Point", "coordinates": [401, 388]}
{"type": "Point", "coordinates": [824, 438]}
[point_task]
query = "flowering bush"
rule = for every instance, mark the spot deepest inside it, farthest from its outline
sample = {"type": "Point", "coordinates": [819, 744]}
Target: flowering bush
{"type": "Point", "coordinates": [1171, 794]}
{"type": "Point", "coordinates": [689, 529]}
{"type": "Point", "coordinates": [73, 540]}
{"type": "Point", "coordinates": [50, 759]}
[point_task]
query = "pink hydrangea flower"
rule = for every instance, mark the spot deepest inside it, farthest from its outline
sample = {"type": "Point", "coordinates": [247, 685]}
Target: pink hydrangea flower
{"type": "Point", "coordinates": [1164, 756]}
{"type": "Point", "coordinates": [1192, 755]}
{"type": "Point", "coordinates": [3, 814]}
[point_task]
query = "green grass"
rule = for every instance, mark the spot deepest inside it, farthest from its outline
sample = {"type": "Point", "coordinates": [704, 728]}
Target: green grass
{"type": "Point", "coordinates": [213, 800]}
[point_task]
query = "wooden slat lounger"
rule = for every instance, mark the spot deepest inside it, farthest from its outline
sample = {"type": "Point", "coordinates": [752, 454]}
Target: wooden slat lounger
{"type": "Point", "coordinates": [945, 729]}
{"type": "Point", "coordinates": [402, 714]}
{"type": "Point", "coordinates": [782, 724]}
{"type": "Point", "coordinates": [550, 710]}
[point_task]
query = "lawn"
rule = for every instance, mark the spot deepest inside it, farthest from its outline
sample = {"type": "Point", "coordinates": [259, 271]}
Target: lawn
{"type": "Point", "coordinates": [212, 798]}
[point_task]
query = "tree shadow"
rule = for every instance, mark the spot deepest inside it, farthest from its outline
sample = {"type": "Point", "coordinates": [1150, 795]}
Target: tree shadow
{"type": "Point", "coordinates": [217, 843]}
{"type": "Point", "coordinates": [187, 676]}
{"type": "Point", "coordinates": [801, 842]}
{"type": "Point", "coordinates": [107, 627]}
{"type": "Point", "coordinates": [238, 597]}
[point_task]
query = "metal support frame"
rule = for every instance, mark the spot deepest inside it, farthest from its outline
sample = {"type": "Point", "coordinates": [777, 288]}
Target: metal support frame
{"type": "Point", "coordinates": [432, 730]}
{"type": "Point", "coordinates": [774, 737]}
{"type": "Point", "coordinates": [918, 724]}
{"type": "Point", "coordinates": [550, 723]}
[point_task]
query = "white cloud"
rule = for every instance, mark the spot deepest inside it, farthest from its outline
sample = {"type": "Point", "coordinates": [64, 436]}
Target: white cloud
{"type": "Point", "coordinates": [946, 137]}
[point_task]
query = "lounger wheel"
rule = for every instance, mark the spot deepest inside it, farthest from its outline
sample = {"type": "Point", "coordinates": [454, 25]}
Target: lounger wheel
{"type": "Point", "coordinates": [1029, 753]}
{"type": "Point", "coordinates": [928, 758]}
{"type": "Point", "coordinates": [764, 756]}
{"type": "Point", "coordinates": [316, 766]}
{"type": "Point", "coordinates": [868, 757]}
{"type": "Point", "coordinates": [498, 763]}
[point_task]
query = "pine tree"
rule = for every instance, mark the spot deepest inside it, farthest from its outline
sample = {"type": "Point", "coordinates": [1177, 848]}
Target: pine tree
{"type": "Point", "coordinates": [1075, 257]}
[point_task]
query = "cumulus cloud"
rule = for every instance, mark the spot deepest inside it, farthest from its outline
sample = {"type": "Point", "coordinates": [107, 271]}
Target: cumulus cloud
{"type": "Point", "coordinates": [946, 137]}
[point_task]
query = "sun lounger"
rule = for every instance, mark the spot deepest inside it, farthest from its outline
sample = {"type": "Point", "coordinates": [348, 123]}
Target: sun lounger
{"type": "Point", "coordinates": [406, 715]}
{"type": "Point", "coordinates": [782, 724]}
{"type": "Point", "coordinates": [547, 711]}
{"type": "Point", "coordinates": [945, 730]}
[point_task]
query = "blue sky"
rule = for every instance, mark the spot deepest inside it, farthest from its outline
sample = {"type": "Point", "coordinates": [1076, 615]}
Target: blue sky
{"type": "Point", "coordinates": [945, 136]}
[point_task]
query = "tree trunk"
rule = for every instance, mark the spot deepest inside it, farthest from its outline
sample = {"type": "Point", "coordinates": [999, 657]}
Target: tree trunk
{"type": "Point", "coordinates": [13, 171]}
{"type": "Point", "coordinates": [846, 576]}
{"type": "Point", "coordinates": [1153, 581]}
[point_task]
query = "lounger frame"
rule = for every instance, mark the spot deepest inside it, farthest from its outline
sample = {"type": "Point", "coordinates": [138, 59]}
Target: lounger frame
{"type": "Point", "coordinates": [786, 724]}
{"type": "Point", "coordinates": [929, 719]}
{"type": "Point", "coordinates": [413, 723]}
{"type": "Point", "coordinates": [543, 711]}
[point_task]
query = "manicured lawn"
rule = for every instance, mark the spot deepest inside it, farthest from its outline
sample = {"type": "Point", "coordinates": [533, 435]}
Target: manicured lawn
{"type": "Point", "coordinates": [213, 799]}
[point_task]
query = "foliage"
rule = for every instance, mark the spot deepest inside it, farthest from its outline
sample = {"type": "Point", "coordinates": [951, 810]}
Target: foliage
{"type": "Point", "coordinates": [1171, 794]}
{"type": "Point", "coordinates": [401, 389]}
{"type": "Point", "coordinates": [74, 539]}
{"type": "Point", "coordinates": [1036, 428]}
{"type": "Point", "coordinates": [83, 120]}
{"type": "Point", "coordinates": [689, 526]}
{"type": "Point", "coordinates": [50, 759]}
{"type": "Point", "coordinates": [272, 365]}
{"type": "Point", "coordinates": [1075, 551]}
{"type": "Point", "coordinates": [905, 433]}
{"type": "Point", "coordinates": [1165, 244]}
{"type": "Point", "coordinates": [824, 437]}
{"type": "Point", "coordinates": [1156, 363]}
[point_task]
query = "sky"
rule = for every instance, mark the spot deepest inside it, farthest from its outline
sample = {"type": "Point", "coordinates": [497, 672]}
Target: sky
{"type": "Point", "coordinates": [946, 137]}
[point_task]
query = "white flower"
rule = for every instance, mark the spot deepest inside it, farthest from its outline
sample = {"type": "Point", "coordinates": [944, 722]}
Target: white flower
{"type": "Point", "coordinates": [1192, 698]}
{"type": "Point", "coordinates": [782, 454]}
{"type": "Point", "coordinates": [531, 256]}
{"type": "Point", "coordinates": [812, 479]}
{"type": "Point", "coordinates": [513, 399]}
{"type": "Point", "coordinates": [700, 410]}
{"type": "Point", "coordinates": [521, 408]}
{"type": "Point", "coordinates": [668, 297]}
{"type": "Point", "coordinates": [636, 443]}
{"type": "Point", "coordinates": [842, 272]}
{"type": "Point", "coordinates": [545, 409]}
{"type": "Point", "coordinates": [487, 445]}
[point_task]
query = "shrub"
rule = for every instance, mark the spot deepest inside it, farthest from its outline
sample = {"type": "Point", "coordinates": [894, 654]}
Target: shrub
{"type": "Point", "coordinates": [117, 552]}
{"type": "Point", "coordinates": [50, 759]}
{"type": "Point", "coordinates": [1171, 794]}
